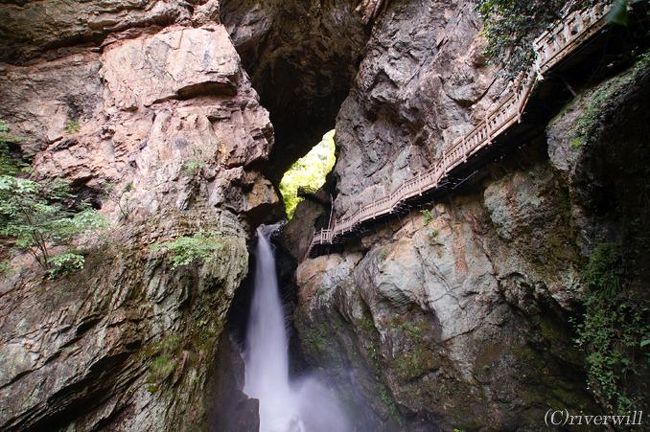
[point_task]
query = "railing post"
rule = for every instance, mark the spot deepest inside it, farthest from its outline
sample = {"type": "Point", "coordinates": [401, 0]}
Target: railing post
{"type": "Point", "coordinates": [549, 49]}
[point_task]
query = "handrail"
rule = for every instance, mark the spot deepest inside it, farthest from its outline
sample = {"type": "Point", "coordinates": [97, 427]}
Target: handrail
{"type": "Point", "coordinates": [550, 48]}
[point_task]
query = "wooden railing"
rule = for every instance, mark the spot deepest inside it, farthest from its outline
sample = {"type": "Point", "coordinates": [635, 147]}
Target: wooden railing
{"type": "Point", "coordinates": [553, 46]}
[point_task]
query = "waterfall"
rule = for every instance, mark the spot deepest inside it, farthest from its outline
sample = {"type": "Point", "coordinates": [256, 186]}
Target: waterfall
{"type": "Point", "coordinates": [303, 406]}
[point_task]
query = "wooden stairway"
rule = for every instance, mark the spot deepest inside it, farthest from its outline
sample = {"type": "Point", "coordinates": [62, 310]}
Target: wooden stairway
{"type": "Point", "coordinates": [551, 48]}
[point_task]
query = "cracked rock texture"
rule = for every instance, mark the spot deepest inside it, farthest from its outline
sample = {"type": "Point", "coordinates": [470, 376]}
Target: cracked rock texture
{"type": "Point", "coordinates": [448, 319]}
{"type": "Point", "coordinates": [145, 108]}
{"type": "Point", "coordinates": [458, 317]}
{"type": "Point", "coordinates": [421, 83]}
{"type": "Point", "coordinates": [302, 57]}
{"type": "Point", "coordinates": [124, 344]}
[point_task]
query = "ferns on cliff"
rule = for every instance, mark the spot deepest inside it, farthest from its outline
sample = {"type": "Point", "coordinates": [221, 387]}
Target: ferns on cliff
{"type": "Point", "coordinates": [188, 249]}
{"type": "Point", "coordinates": [614, 331]}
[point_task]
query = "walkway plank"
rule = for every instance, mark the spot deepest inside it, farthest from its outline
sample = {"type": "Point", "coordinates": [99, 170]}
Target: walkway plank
{"type": "Point", "coordinates": [553, 46]}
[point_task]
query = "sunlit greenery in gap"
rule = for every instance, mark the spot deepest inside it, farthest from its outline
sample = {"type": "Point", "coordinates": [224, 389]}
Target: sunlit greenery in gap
{"type": "Point", "coordinates": [308, 172]}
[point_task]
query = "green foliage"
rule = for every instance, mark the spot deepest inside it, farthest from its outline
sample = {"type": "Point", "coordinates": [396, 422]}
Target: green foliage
{"type": "Point", "coordinates": [193, 166]}
{"type": "Point", "coordinates": [588, 121]}
{"type": "Point", "coordinates": [575, 143]}
{"type": "Point", "coordinates": [9, 164]}
{"type": "Point", "coordinates": [412, 363]}
{"type": "Point", "coordinates": [614, 329]}
{"type": "Point", "coordinates": [203, 335]}
{"type": "Point", "coordinates": [199, 160]}
{"type": "Point", "coordinates": [72, 126]}
{"type": "Point", "coordinates": [387, 398]}
{"type": "Point", "coordinates": [65, 264]}
{"type": "Point", "coordinates": [309, 172]}
{"type": "Point", "coordinates": [187, 249]}
{"type": "Point", "coordinates": [413, 331]}
{"type": "Point", "coordinates": [591, 117]}
{"type": "Point", "coordinates": [315, 339]}
{"type": "Point", "coordinates": [5, 134]}
{"type": "Point", "coordinates": [35, 215]}
{"type": "Point", "coordinates": [511, 26]}
{"type": "Point", "coordinates": [413, 358]}
{"type": "Point", "coordinates": [39, 214]}
{"type": "Point", "coordinates": [166, 358]}
{"type": "Point", "coordinates": [427, 215]}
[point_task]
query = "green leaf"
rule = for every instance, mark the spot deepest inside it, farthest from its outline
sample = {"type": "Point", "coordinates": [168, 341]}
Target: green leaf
{"type": "Point", "coordinates": [39, 214]}
{"type": "Point", "coordinates": [65, 264]}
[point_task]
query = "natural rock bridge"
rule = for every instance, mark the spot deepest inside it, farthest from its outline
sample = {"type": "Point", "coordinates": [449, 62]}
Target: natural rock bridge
{"type": "Point", "coordinates": [551, 48]}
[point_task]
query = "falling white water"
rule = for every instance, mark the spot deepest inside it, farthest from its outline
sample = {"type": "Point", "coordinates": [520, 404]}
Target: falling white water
{"type": "Point", "coordinates": [305, 406]}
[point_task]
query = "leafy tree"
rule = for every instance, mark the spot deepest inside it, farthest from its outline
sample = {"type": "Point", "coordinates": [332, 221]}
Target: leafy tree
{"type": "Point", "coordinates": [38, 214]}
{"type": "Point", "coordinates": [309, 172]}
{"type": "Point", "coordinates": [188, 249]}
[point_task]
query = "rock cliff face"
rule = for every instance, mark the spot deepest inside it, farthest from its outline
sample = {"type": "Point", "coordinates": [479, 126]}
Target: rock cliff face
{"type": "Point", "coordinates": [421, 83]}
{"type": "Point", "coordinates": [454, 317]}
{"type": "Point", "coordinates": [458, 316]}
{"type": "Point", "coordinates": [144, 106]}
{"type": "Point", "coordinates": [302, 57]}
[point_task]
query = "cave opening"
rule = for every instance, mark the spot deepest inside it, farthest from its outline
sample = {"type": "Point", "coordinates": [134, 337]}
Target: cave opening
{"type": "Point", "coordinates": [303, 71]}
{"type": "Point", "coordinates": [308, 174]}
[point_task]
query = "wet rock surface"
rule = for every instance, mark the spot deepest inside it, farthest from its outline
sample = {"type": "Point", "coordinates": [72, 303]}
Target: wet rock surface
{"type": "Point", "coordinates": [459, 316]}
{"type": "Point", "coordinates": [234, 411]}
{"type": "Point", "coordinates": [162, 129]}
{"type": "Point", "coordinates": [123, 344]}
{"type": "Point", "coordinates": [451, 323]}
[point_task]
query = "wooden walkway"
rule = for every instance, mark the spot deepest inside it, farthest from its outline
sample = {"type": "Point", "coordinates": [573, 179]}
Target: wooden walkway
{"type": "Point", "coordinates": [550, 48]}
